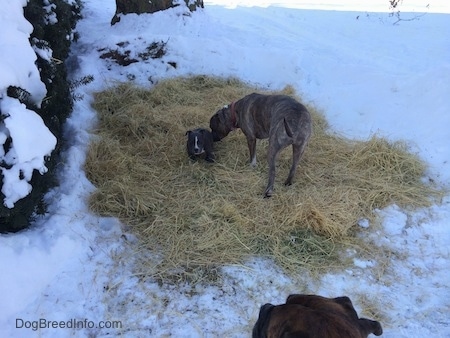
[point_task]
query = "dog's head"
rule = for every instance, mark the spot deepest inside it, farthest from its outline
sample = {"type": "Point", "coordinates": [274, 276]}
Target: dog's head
{"type": "Point", "coordinates": [341, 307]}
{"type": "Point", "coordinates": [196, 140]}
{"type": "Point", "coordinates": [313, 316]}
{"type": "Point", "coordinates": [221, 124]}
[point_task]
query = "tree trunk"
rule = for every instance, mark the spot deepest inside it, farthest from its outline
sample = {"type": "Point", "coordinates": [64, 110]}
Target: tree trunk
{"type": "Point", "coordinates": [146, 6]}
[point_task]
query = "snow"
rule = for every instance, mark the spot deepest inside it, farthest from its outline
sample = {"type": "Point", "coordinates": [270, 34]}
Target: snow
{"type": "Point", "coordinates": [17, 66]}
{"type": "Point", "coordinates": [31, 142]}
{"type": "Point", "coordinates": [31, 139]}
{"type": "Point", "coordinates": [365, 73]}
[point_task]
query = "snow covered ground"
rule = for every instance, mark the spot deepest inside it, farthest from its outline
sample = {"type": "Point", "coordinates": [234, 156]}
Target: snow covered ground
{"type": "Point", "coordinates": [365, 73]}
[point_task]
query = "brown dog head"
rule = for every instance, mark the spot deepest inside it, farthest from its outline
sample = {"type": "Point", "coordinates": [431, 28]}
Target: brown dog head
{"type": "Point", "coordinates": [313, 316]}
{"type": "Point", "coordinates": [221, 124]}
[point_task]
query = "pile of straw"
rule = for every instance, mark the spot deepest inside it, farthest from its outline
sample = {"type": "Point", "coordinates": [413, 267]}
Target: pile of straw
{"type": "Point", "coordinates": [196, 216]}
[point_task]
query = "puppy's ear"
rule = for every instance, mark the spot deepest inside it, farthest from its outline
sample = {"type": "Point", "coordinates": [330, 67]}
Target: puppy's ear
{"type": "Point", "coordinates": [188, 132]}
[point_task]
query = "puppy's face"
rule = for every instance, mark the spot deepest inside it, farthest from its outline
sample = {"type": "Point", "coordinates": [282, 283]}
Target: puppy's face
{"type": "Point", "coordinates": [220, 124]}
{"type": "Point", "coordinates": [195, 143]}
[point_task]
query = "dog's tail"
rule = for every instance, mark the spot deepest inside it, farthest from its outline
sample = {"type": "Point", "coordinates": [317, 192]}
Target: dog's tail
{"type": "Point", "coordinates": [288, 129]}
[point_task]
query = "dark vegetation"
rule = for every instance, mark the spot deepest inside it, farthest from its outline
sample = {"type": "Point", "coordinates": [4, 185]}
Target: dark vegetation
{"type": "Point", "coordinates": [55, 108]}
{"type": "Point", "coordinates": [122, 56]}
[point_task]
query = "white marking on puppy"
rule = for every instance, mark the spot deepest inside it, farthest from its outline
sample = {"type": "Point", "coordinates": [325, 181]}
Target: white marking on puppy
{"type": "Point", "coordinates": [196, 144]}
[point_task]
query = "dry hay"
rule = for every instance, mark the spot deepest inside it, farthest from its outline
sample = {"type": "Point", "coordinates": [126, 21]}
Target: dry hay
{"type": "Point", "coordinates": [199, 216]}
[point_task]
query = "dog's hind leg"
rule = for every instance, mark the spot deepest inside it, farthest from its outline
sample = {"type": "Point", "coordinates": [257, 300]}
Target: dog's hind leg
{"type": "Point", "coordinates": [297, 152]}
{"type": "Point", "coordinates": [288, 128]}
{"type": "Point", "coordinates": [271, 158]}
{"type": "Point", "coordinates": [252, 149]}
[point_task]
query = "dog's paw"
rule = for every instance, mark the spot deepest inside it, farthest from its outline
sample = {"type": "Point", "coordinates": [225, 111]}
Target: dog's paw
{"type": "Point", "coordinates": [268, 193]}
{"type": "Point", "coordinates": [288, 183]}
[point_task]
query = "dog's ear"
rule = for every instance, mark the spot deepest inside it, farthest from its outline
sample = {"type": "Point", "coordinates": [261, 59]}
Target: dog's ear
{"type": "Point", "coordinates": [367, 326]}
{"type": "Point", "coordinates": [261, 325]}
{"type": "Point", "coordinates": [188, 132]}
{"type": "Point", "coordinates": [347, 305]}
{"type": "Point", "coordinates": [292, 299]}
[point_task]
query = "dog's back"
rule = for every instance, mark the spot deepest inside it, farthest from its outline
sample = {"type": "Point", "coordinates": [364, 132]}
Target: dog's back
{"type": "Point", "coordinates": [274, 114]}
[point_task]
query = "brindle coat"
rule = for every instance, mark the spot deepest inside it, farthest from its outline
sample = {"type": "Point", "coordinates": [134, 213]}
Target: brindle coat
{"type": "Point", "coordinates": [280, 118]}
{"type": "Point", "coordinates": [311, 316]}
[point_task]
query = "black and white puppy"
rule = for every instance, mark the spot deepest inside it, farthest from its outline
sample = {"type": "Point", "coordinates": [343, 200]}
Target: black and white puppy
{"type": "Point", "coordinates": [199, 142]}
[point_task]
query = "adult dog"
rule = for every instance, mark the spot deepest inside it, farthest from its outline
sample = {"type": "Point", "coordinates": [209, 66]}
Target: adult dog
{"type": "Point", "coordinates": [312, 316]}
{"type": "Point", "coordinates": [280, 118]}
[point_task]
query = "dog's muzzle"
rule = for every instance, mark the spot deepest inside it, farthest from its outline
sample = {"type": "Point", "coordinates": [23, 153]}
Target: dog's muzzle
{"type": "Point", "coordinates": [216, 136]}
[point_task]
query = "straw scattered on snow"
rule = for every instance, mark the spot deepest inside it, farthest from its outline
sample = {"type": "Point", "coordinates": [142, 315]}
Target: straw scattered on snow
{"type": "Point", "coordinates": [196, 216]}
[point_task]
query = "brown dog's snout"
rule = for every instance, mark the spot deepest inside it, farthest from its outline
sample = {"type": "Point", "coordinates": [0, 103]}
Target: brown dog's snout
{"type": "Point", "coordinates": [216, 136]}
{"type": "Point", "coordinates": [214, 124]}
{"type": "Point", "coordinates": [218, 125]}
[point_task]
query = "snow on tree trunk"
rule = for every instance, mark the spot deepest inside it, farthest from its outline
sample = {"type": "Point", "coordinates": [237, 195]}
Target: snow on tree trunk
{"type": "Point", "coordinates": [31, 141]}
{"type": "Point", "coordinates": [146, 6]}
{"type": "Point", "coordinates": [24, 138]}
{"type": "Point", "coordinates": [35, 101]}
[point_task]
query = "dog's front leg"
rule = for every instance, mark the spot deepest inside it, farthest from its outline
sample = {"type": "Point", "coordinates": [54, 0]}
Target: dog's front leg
{"type": "Point", "coordinates": [251, 141]}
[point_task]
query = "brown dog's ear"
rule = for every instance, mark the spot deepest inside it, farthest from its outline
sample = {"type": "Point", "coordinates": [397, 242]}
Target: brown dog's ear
{"type": "Point", "coordinates": [347, 305]}
{"type": "Point", "coordinates": [296, 298]}
{"type": "Point", "coordinates": [260, 328]}
{"type": "Point", "coordinates": [289, 298]}
{"type": "Point", "coordinates": [367, 326]}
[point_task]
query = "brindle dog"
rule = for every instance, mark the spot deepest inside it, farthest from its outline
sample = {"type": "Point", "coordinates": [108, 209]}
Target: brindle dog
{"type": "Point", "coordinates": [311, 316]}
{"type": "Point", "coordinates": [280, 118]}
